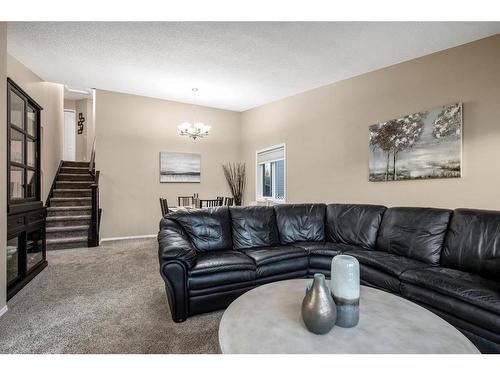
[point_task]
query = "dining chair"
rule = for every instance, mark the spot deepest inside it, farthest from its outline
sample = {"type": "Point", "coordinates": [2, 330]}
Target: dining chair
{"type": "Point", "coordinates": [164, 206]}
{"type": "Point", "coordinates": [228, 201]}
{"type": "Point", "coordinates": [185, 201]}
{"type": "Point", "coordinates": [210, 202]}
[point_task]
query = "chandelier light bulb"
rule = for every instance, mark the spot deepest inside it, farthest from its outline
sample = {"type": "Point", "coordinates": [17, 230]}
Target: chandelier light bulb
{"type": "Point", "coordinates": [194, 129]}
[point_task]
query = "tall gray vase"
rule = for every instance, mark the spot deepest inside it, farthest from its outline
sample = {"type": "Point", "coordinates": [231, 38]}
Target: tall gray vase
{"type": "Point", "coordinates": [318, 308]}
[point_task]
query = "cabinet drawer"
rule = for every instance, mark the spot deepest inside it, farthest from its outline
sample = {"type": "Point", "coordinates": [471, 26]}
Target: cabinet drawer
{"type": "Point", "coordinates": [36, 217]}
{"type": "Point", "coordinates": [15, 223]}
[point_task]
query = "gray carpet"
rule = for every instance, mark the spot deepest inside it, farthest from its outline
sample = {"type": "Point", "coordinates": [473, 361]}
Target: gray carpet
{"type": "Point", "coordinates": [109, 299]}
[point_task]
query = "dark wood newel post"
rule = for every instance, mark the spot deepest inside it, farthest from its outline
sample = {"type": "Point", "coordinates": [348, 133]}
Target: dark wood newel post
{"type": "Point", "coordinates": [95, 218]}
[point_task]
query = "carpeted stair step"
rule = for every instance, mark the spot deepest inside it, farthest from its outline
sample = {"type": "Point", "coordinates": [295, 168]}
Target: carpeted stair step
{"type": "Point", "coordinates": [66, 243]}
{"type": "Point", "coordinates": [71, 193]}
{"type": "Point", "coordinates": [77, 164]}
{"type": "Point", "coordinates": [67, 202]}
{"type": "Point", "coordinates": [73, 184]}
{"type": "Point", "coordinates": [74, 170]}
{"type": "Point", "coordinates": [67, 221]}
{"type": "Point", "coordinates": [69, 211]}
{"type": "Point", "coordinates": [74, 177]}
{"type": "Point", "coordinates": [69, 231]}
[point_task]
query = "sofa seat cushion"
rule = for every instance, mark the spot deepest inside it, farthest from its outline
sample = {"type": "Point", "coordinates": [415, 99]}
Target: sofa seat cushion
{"type": "Point", "coordinates": [279, 260]}
{"type": "Point", "coordinates": [375, 278]}
{"type": "Point", "coordinates": [389, 263]}
{"type": "Point", "coordinates": [461, 285]}
{"type": "Point", "coordinates": [272, 254]}
{"type": "Point", "coordinates": [475, 318]}
{"type": "Point", "coordinates": [325, 248]}
{"type": "Point", "coordinates": [221, 267]}
{"type": "Point", "coordinates": [221, 261]}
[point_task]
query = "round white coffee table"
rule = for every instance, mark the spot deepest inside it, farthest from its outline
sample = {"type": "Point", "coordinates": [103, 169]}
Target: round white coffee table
{"type": "Point", "coordinates": [267, 319]}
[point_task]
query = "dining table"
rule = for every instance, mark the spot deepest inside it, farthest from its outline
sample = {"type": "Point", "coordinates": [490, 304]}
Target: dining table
{"type": "Point", "coordinates": [180, 208]}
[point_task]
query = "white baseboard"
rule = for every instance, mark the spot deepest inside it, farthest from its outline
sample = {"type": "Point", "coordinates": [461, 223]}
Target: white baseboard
{"type": "Point", "coordinates": [3, 310]}
{"type": "Point", "coordinates": [128, 237]}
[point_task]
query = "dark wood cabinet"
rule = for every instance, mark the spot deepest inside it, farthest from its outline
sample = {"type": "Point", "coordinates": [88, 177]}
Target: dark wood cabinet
{"type": "Point", "coordinates": [26, 255]}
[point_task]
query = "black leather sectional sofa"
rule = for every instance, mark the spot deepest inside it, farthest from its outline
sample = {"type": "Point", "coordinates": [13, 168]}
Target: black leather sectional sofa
{"type": "Point", "coordinates": [447, 261]}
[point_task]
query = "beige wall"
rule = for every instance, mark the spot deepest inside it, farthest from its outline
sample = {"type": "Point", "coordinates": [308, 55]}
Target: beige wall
{"type": "Point", "coordinates": [83, 141]}
{"type": "Point", "coordinates": [50, 96]}
{"type": "Point", "coordinates": [69, 104]}
{"type": "Point", "coordinates": [131, 131]}
{"type": "Point", "coordinates": [3, 164]}
{"type": "Point", "coordinates": [85, 107]}
{"type": "Point", "coordinates": [326, 131]}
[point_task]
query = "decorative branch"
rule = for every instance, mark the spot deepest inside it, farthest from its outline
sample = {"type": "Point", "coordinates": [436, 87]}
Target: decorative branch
{"type": "Point", "coordinates": [236, 178]}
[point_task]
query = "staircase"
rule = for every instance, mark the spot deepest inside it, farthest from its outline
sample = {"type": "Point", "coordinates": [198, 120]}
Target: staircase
{"type": "Point", "coordinates": [69, 207]}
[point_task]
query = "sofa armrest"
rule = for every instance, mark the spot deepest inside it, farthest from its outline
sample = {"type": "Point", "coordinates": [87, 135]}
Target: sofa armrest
{"type": "Point", "coordinates": [177, 255]}
{"type": "Point", "coordinates": [174, 275]}
{"type": "Point", "coordinates": [174, 244]}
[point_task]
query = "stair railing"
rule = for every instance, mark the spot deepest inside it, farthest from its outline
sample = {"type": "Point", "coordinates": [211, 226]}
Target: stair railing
{"type": "Point", "coordinates": [53, 186]}
{"type": "Point", "coordinates": [95, 218]}
{"type": "Point", "coordinates": [92, 160]}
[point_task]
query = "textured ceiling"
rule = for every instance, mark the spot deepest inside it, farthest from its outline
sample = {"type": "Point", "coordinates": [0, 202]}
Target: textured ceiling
{"type": "Point", "coordinates": [235, 65]}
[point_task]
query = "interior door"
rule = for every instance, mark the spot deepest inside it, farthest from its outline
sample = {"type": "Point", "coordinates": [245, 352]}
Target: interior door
{"type": "Point", "coordinates": [69, 152]}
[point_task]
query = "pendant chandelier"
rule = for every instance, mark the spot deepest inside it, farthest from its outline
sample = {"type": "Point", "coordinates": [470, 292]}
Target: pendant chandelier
{"type": "Point", "coordinates": [193, 129]}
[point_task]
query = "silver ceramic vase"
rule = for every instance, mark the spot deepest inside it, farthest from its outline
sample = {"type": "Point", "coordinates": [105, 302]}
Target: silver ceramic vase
{"type": "Point", "coordinates": [318, 308]}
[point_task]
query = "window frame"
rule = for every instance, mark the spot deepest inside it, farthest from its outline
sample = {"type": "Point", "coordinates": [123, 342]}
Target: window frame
{"type": "Point", "coordinates": [259, 173]}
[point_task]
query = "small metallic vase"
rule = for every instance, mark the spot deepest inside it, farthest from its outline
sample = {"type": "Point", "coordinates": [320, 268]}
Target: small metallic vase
{"type": "Point", "coordinates": [345, 289]}
{"type": "Point", "coordinates": [318, 308]}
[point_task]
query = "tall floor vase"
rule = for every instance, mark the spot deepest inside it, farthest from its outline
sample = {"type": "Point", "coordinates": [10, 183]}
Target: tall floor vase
{"type": "Point", "coordinates": [345, 289]}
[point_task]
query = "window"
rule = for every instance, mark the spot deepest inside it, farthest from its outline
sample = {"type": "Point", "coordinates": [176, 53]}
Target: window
{"type": "Point", "coordinates": [271, 174]}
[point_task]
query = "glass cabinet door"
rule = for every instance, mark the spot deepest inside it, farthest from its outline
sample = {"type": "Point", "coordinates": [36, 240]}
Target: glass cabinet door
{"type": "Point", "coordinates": [13, 264]}
{"type": "Point", "coordinates": [16, 183]}
{"type": "Point", "coordinates": [31, 121]}
{"type": "Point", "coordinates": [16, 146]}
{"type": "Point", "coordinates": [34, 249]}
{"type": "Point", "coordinates": [16, 110]}
{"type": "Point", "coordinates": [23, 116]}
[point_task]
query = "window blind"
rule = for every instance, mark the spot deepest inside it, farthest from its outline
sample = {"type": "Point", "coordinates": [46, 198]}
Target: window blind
{"type": "Point", "coordinates": [271, 155]}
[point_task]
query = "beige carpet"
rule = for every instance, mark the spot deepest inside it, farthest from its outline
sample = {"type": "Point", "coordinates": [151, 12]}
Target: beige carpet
{"type": "Point", "coordinates": [109, 299]}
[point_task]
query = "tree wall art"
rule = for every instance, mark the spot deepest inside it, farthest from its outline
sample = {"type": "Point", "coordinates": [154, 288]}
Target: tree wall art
{"type": "Point", "coordinates": [422, 145]}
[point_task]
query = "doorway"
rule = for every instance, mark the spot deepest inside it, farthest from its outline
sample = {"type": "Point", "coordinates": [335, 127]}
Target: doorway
{"type": "Point", "coordinates": [69, 151]}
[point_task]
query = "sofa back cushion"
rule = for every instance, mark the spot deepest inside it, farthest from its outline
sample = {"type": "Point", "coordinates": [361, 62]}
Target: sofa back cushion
{"type": "Point", "coordinates": [208, 228]}
{"type": "Point", "coordinates": [473, 243]}
{"type": "Point", "coordinates": [253, 226]}
{"type": "Point", "coordinates": [416, 233]}
{"type": "Point", "coordinates": [353, 224]}
{"type": "Point", "coordinates": [300, 222]}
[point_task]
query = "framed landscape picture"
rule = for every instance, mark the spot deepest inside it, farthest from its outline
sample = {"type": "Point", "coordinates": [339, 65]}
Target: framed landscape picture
{"type": "Point", "coordinates": [180, 167]}
{"type": "Point", "coordinates": [422, 145]}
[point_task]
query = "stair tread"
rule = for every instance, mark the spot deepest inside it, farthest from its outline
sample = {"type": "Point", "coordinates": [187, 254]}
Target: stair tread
{"type": "Point", "coordinates": [65, 240]}
{"type": "Point", "coordinates": [68, 228]}
{"type": "Point", "coordinates": [71, 189]}
{"type": "Point", "coordinates": [62, 218]}
{"type": "Point", "coordinates": [69, 208]}
{"type": "Point", "coordinates": [70, 174]}
{"type": "Point", "coordinates": [66, 199]}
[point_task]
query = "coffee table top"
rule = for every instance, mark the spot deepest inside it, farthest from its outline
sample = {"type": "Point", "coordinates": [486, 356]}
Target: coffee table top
{"type": "Point", "coordinates": [268, 319]}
